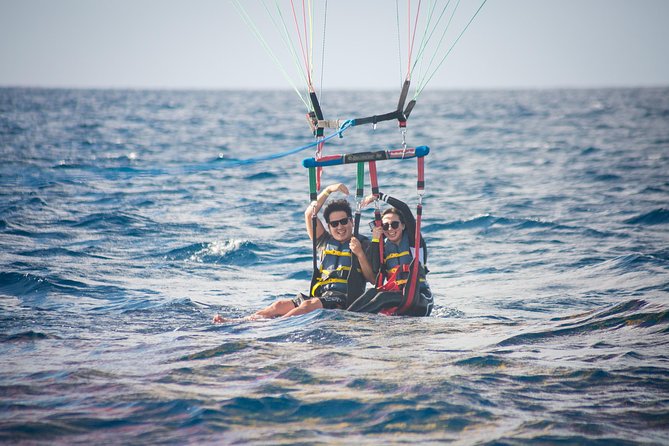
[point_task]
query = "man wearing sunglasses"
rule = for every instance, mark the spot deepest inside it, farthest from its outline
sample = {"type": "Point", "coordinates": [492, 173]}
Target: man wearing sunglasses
{"type": "Point", "coordinates": [398, 227]}
{"type": "Point", "coordinates": [339, 281]}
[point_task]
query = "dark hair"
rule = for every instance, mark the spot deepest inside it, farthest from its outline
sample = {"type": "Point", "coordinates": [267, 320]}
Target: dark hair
{"type": "Point", "coordinates": [394, 211]}
{"type": "Point", "coordinates": [337, 205]}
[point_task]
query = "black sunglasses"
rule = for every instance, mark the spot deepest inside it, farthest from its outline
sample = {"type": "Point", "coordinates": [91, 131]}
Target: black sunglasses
{"type": "Point", "coordinates": [336, 223]}
{"type": "Point", "coordinates": [395, 224]}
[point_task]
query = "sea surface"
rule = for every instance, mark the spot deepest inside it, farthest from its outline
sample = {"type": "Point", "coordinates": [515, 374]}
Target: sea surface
{"type": "Point", "coordinates": [128, 219]}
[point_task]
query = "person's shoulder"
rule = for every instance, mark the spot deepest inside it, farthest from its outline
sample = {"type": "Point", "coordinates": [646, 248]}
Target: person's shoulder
{"type": "Point", "coordinates": [323, 239]}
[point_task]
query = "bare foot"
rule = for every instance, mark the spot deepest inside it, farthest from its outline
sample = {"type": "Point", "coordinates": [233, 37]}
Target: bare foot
{"type": "Point", "coordinates": [218, 319]}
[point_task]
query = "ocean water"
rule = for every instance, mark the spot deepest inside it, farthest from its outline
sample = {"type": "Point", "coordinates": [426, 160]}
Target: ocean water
{"type": "Point", "coordinates": [126, 224]}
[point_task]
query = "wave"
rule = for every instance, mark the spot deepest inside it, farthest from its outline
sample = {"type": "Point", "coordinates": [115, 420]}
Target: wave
{"type": "Point", "coordinates": [655, 217]}
{"type": "Point", "coordinates": [24, 284]}
{"type": "Point", "coordinates": [26, 336]}
{"type": "Point", "coordinates": [446, 312]}
{"type": "Point", "coordinates": [226, 252]}
{"type": "Point", "coordinates": [487, 221]}
{"type": "Point", "coordinates": [606, 177]}
{"type": "Point", "coordinates": [261, 176]}
{"type": "Point", "coordinates": [304, 275]}
{"type": "Point", "coordinates": [487, 361]}
{"type": "Point", "coordinates": [632, 262]}
{"type": "Point", "coordinates": [107, 220]}
{"type": "Point", "coordinates": [33, 233]}
{"type": "Point", "coordinates": [623, 315]}
{"type": "Point", "coordinates": [174, 307]}
{"type": "Point", "coordinates": [393, 415]}
{"type": "Point", "coordinates": [34, 289]}
{"type": "Point", "coordinates": [482, 221]}
{"type": "Point", "coordinates": [590, 150]}
{"type": "Point", "coordinates": [226, 348]}
{"type": "Point", "coordinates": [318, 336]}
{"type": "Point", "coordinates": [58, 252]}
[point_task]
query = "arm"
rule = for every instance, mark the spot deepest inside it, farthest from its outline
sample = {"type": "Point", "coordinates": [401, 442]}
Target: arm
{"type": "Point", "coordinates": [316, 205]}
{"type": "Point", "coordinates": [409, 219]}
{"type": "Point", "coordinates": [374, 250]}
{"type": "Point", "coordinates": [365, 266]}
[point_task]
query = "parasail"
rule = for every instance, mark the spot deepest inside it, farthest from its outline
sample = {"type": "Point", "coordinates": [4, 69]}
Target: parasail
{"type": "Point", "coordinates": [294, 34]}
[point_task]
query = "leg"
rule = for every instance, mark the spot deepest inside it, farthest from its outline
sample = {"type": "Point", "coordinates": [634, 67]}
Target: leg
{"type": "Point", "coordinates": [306, 306]}
{"type": "Point", "coordinates": [278, 308]}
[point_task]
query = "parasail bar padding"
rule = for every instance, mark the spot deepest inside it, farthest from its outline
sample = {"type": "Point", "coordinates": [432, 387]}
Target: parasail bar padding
{"type": "Point", "coordinates": [330, 123]}
{"type": "Point", "coordinates": [378, 118]}
{"type": "Point", "coordinates": [380, 155]}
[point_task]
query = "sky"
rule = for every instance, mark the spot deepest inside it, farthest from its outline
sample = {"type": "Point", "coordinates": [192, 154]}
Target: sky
{"type": "Point", "coordinates": [204, 44]}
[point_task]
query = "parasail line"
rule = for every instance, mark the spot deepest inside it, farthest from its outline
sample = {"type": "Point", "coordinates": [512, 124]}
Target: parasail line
{"type": "Point", "coordinates": [256, 32]}
{"type": "Point", "coordinates": [418, 91]}
{"type": "Point", "coordinates": [303, 47]}
{"type": "Point", "coordinates": [413, 37]}
{"type": "Point", "coordinates": [427, 36]}
{"type": "Point", "coordinates": [441, 39]}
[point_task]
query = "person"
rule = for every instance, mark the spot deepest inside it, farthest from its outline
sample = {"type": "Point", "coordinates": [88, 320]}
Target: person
{"type": "Point", "coordinates": [336, 283]}
{"type": "Point", "coordinates": [399, 228]}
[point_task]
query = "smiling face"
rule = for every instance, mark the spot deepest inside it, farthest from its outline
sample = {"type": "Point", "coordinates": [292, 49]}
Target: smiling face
{"type": "Point", "coordinates": [394, 226]}
{"type": "Point", "coordinates": [341, 226]}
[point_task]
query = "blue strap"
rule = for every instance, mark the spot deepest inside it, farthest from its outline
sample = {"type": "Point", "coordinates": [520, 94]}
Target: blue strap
{"type": "Point", "coordinates": [273, 156]}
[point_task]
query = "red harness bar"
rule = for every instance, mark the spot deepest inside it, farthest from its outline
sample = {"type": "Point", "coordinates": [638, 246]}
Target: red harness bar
{"type": "Point", "coordinates": [414, 277]}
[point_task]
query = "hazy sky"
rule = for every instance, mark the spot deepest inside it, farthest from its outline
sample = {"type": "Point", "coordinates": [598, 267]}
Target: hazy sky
{"type": "Point", "coordinates": [205, 44]}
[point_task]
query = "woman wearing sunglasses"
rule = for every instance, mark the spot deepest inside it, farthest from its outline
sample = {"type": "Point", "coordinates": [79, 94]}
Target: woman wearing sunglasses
{"type": "Point", "coordinates": [336, 282]}
{"type": "Point", "coordinates": [399, 228]}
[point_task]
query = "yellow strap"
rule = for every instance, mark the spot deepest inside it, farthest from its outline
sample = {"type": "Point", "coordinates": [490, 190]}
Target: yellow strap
{"type": "Point", "coordinates": [396, 254]}
{"type": "Point", "coordinates": [326, 273]}
{"type": "Point", "coordinates": [402, 282]}
{"type": "Point", "coordinates": [334, 252]}
{"type": "Point", "coordinates": [325, 282]}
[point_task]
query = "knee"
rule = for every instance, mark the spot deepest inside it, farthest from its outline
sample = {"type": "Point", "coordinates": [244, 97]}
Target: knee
{"type": "Point", "coordinates": [311, 304]}
{"type": "Point", "coordinates": [281, 304]}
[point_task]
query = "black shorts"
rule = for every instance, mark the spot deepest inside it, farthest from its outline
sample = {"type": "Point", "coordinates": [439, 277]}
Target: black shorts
{"type": "Point", "coordinates": [373, 301]}
{"type": "Point", "coordinates": [330, 300]}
